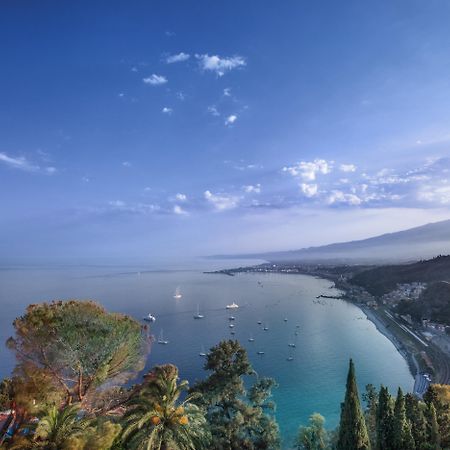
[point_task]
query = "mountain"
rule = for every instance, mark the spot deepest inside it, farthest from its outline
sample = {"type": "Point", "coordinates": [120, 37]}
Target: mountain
{"type": "Point", "coordinates": [421, 242]}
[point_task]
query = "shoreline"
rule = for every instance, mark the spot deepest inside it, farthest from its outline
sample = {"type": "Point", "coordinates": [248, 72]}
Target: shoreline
{"type": "Point", "coordinates": [373, 317]}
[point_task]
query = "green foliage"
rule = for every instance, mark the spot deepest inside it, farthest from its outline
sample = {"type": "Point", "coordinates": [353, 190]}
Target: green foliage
{"type": "Point", "coordinates": [97, 437]}
{"type": "Point", "coordinates": [415, 412]}
{"type": "Point", "coordinates": [383, 279]}
{"type": "Point", "coordinates": [352, 428]}
{"type": "Point", "coordinates": [158, 420]}
{"type": "Point", "coordinates": [78, 345]}
{"type": "Point", "coordinates": [384, 421]}
{"type": "Point", "coordinates": [314, 436]}
{"type": "Point", "coordinates": [236, 422]}
{"type": "Point", "coordinates": [370, 397]}
{"type": "Point", "coordinates": [402, 437]}
{"type": "Point", "coordinates": [6, 393]}
{"type": "Point", "coordinates": [434, 436]}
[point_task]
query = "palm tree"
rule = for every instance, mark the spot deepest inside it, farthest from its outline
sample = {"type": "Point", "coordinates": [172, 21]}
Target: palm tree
{"type": "Point", "coordinates": [157, 420]}
{"type": "Point", "coordinates": [54, 428]}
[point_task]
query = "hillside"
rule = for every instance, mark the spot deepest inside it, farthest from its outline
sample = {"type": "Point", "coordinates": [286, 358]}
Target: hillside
{"type": "Point", "coordinates": [380, 280]}
{"type": "Point", "coordinates": [416, 243]}
{"type": "Point", "coordinates": [434, 303]}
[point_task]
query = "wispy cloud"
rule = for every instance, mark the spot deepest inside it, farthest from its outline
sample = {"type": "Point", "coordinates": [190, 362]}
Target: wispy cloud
{"type": "Point", "coordinates": [230, 119]}
{"type": "Point", "coordinates": [221, 202]}
{"type": "Point", "coordinates": [179, 57]}
{"type": "Point", "coordinates": [126, 164]}
{"type": "Point", "coordinates": [167, 110]}
{"type": "Point", "coordinates": [309, 189]}
{"type": "Point", "coordinates": [227, 92]}
{"type": "Point", "coordinates": [181, 197]}
{"type": "Point", "coordinates": [22, 163]}
{"type": "Point", "coordinates": [220, 65]}
{"type": "Point", "coordinates": [347, 168]}
{"type": "Point", "coordinates": [178, 210]}
{"type": "Point", "coordinates": [252, 188]}
{"type": "Point", "coordinates": [213, 111]}
{"type": "Point", "coordinates": [155, 80]}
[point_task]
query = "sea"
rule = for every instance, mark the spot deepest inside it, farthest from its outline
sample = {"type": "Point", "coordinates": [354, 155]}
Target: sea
{"type": "Point", "coordinates": [311, 376]}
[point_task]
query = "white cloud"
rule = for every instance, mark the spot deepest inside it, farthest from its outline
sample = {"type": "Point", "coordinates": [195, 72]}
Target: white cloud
{"type": "Point", "coordinates": [227, 92]}
{"type": "Point", "coordinates": [221, 202]}
{"type": "Point", "coordinates": [230, 119]}
{"type": "Point", "coordinates": [255, 189]}
{"type": "Point", "coordinates": [155, 80]}
{"type": "Point", "coordinates": [177, 209]}
{"type": "Point", "coordinates": [181, 197]}
{"type": "Point", "coordinates": [337, 196]}
{"type": "Point", "coordinates": [213, 111]}
{"type": "Point", "coordinates": [308, 170]}
{"type": "Point", "coordinates": [22, 163]}
{"type": "Point", "coordinates": [167, 110]}
{"type": "Point", "coordinates": [309, 190]}
{"type": "Point", "coordinates": [126, 164]}
{"type": "Point", "coordinates": [220, 66]}
{"type": "Point", "coordinates": [134, 69]}
{"type": "Point", "coordinates": [347, 167]}
{"type": "Point", "coordinates": [179, 57]}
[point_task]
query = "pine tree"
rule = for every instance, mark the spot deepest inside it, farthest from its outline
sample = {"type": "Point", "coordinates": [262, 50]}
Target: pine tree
{"type": "Point", "coordinates": [384, 419]}
{"type": "Point", "coordinates": [434, 437]}
{"type": "Point", "coordinates": [352, 428]}
{"type": "Point", "coordinates": [402, 438]}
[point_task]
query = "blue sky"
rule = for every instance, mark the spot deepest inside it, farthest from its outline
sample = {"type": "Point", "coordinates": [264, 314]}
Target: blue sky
{"type": "Point", "coordinates": [135, 130]}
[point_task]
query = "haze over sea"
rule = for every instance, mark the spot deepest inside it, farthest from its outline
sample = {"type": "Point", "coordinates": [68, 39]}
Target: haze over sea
{"type": "Point", "coordinates": [330, 331]}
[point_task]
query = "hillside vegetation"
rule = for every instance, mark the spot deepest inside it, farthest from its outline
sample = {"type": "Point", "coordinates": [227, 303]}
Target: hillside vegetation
{"type": "Point", "coordinates": [383, 279]}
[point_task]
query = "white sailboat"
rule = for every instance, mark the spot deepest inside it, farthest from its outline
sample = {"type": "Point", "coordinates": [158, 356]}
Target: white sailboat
{"type": "Point", "coordinates": [232, 306]}
{"type": "Point", "coordinates": [161, 339]}
{"type": "Point", "coordinates": [198, 315]}
{"type": "Point", "coordinates": [251, 338]}
{"type": "Point", "coordinates": [177, 294]}
{"type": "Point", "coordinates": [202, 352]}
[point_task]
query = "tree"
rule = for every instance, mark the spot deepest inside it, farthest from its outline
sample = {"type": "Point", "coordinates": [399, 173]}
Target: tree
{"type": "Point", "coordinates": [55, 428]}
{"type": "Point", "coordinates": [415, 414]}
{"type": "Point", "coordinates": [384, 419]}
{"type": "Point", "coordinates": [314, 436]}
{"type": "Point", "coordinates": [352, 428]}
{"type": "Point", "coordinates": [402, 438]}
{"type": "Point", "coordinates": [78, 345]}
{"type": "Point", "coordinates": [434, 436]}
{"type": "Point", "coordinates": [370, 397]}
{"type": "Point", "coordinates": [236, 421]}
{"type": "Point", "coordinates": [6, 393]}
{"type": "Point", "coordinates": [157, 420]}
{"type": "Point", "coordinates": [438, 395]}
{"type": "Point", "coordinates": [100, 436]}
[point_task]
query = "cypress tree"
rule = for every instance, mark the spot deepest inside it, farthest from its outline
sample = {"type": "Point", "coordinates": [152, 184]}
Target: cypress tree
{"type": "Point", "coordinates": [402, 438]}
{"type": "Point", "coordinates": [434, 435]}
{"type": "Point", "coordinates": [415, 414]}
{"type": "Point", "coordinates": [384, 419]}
{"type": "Point", "coordinates": [352, 428]}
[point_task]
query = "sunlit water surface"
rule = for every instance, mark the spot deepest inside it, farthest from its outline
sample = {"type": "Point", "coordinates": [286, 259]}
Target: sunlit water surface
{"type": "Point", "coordinates": [329, 331]}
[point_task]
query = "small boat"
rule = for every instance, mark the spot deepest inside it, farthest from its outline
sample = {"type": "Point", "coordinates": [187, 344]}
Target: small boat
{"type": "Point", "coordinates": [202, 352]}
{"type": "Point", "coordinates": [290, 358]}
{"type": "Point", "coordinates": [233, 333]}
{"type": "Point", "coordinates": [150, 318]}
{"type": "Point", "coordinates": [259, 322]}
{"type": "Point", "coordinates": [265, 328]}
{"type": "Point", "coordinates": [198, 315]}
{"type": "Point", "coordinates": [177, 294]}
{"type": "Point", "coordinates": [260, 353]}
{"type": "Point", "coordinates": [251, 339]}
{"type": "Point", "coordinates": [292, 345]}
{"type": "Point", "coordinates": [161, 339]}
{"type": "Point", "coordinates": [232, 306]}
{"type": "Point", "coordinates": [285, 319]}
{"type": "Point", "coordinates": [231, 325]}
{"type": "Point", "coordinates": [231, 318]}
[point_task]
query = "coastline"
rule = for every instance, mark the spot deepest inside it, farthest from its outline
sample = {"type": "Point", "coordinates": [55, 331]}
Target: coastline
{"type": "Point", "coordinates": [373, 317]}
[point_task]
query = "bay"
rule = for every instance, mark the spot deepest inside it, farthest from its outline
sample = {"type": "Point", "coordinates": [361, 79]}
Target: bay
{"type": "Point", "coordinates": [329, 331]}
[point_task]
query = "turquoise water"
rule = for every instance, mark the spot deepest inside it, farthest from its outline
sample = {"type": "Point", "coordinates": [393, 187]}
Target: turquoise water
{"type": "Point", "coordinates": [329, 331]}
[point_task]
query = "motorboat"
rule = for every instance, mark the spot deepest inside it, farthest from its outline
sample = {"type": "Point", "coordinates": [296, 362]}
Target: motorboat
{"type": "Point", "coordinates": [198, 315]}
{"type": "Point", "coordinates": [232, 306]}
{"type": "Point", "coordinates": [177, 294]}
{"type": "Point", "coordinates": [161, 339]}
{"type": "Point", "coordinates": [150, 318]}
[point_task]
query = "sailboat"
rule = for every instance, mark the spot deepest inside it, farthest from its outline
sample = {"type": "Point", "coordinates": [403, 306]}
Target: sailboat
{"type": "Point", "coordinates": [177, 294]}
{"type": "Point", "coordinates": [202, 352]}
{"type": "Point", "coordinates": [251, 338]}
{"type": "Point", "coordinates": [161, 339]}
{"type": "Point", "coordinates": [198, 315]}
{"type": "Point", "coordinates": [232, 306]}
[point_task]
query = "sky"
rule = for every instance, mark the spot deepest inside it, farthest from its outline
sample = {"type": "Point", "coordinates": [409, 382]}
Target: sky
{"type": "Point", "coordinates": [142, 130]}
